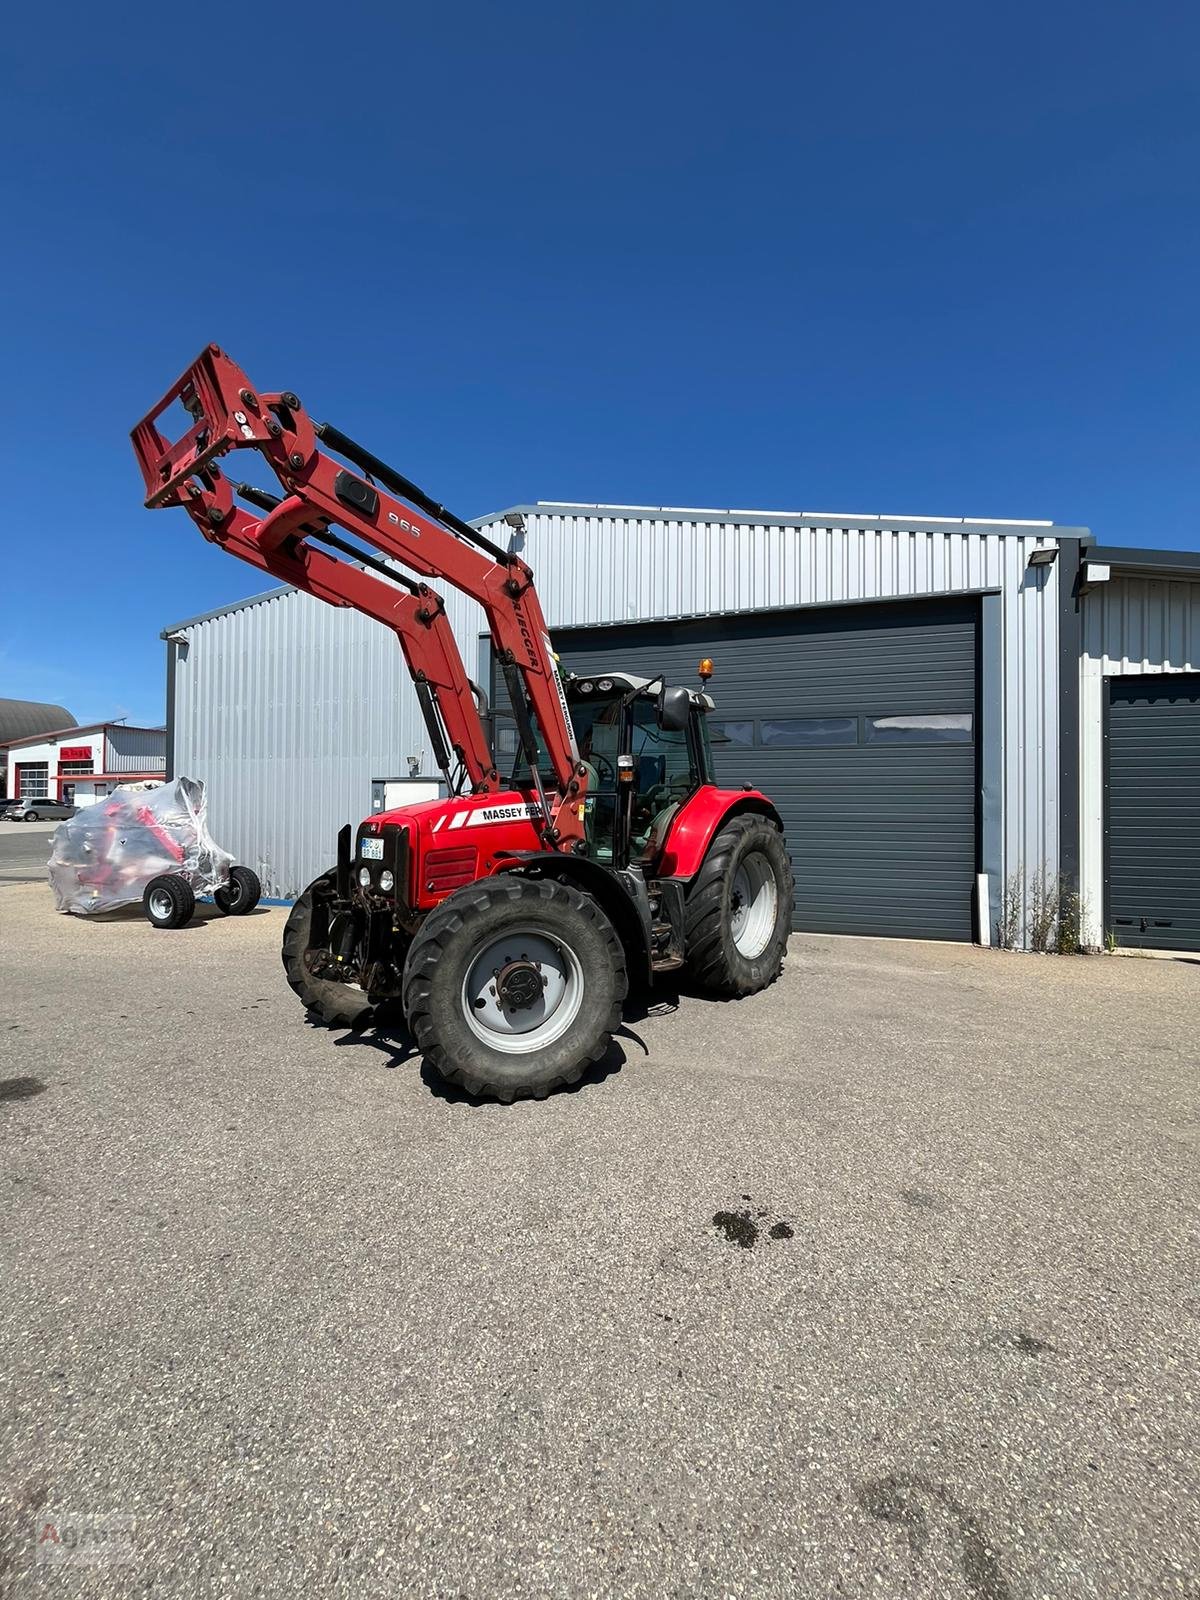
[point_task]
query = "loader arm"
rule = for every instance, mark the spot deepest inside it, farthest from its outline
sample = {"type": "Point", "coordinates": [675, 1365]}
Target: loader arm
{"type": "Point", "coordinates": [293, 537]}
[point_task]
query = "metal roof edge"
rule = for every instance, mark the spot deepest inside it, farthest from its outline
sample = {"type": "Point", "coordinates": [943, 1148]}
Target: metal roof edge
{"type": "Point", "coordinates": [1133, 558]}
{"type": "Point", "coordinates": [88, 727]}
{"type": "Point", "coordinates": [801, 519]}
{"type": "Point", "coordinates": [234, 605]}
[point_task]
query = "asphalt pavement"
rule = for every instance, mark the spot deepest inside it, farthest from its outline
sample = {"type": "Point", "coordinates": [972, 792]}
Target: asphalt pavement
{"type": "Point", "coordinates": [881, 1283]}
{"type": "Point", "coordinates": [24, 851]}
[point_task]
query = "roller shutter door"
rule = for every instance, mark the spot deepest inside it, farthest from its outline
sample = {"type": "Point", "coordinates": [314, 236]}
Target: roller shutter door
{"type": "Point", "coordinates": [859, 722]}
{"type": "Point", "coordinates": [1152, 811]}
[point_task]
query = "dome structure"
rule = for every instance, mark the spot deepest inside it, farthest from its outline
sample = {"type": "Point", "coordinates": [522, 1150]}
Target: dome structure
{"type": "Point", "coordinates": [21, 719]}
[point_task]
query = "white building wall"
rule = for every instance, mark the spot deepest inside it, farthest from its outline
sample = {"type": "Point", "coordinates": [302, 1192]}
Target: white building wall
{"type": "Point", "coordinates": [48, 751]}
{"type": "Point", "coordinates": [1131, 626]}
{"type": "Point", "coordinates": [288, 708]}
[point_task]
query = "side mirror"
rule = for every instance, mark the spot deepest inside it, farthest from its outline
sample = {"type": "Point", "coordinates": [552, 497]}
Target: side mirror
{"type": "Point", "coordinates": [674, 709]}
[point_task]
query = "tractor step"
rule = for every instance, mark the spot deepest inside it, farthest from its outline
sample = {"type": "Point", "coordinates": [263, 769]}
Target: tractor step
{"type": "Point", "coordinates": [666, 930]}
{"type": "Point", "coordinates": [666, 952]}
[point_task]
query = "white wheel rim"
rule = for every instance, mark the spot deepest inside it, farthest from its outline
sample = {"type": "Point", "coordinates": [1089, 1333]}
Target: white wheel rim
{"type": "Point", "coordinates": [519, 1030]}
{"type": "Point", "coordinates": [161, 904]}
{"type": "Point", "coordinates": [754, 904]}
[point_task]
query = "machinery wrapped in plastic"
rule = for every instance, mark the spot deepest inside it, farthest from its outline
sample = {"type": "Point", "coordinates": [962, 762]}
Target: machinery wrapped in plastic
{"type": "Point", "coordinates": [107, 854]}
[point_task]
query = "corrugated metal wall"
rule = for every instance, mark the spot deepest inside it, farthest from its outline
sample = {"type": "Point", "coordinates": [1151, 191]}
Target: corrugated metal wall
{"type": "Point", "coordinates": [1130, 626]}
{"type": "Point", "coordinates": [135, 749]}
{"type": "Point", "coordinates": [288, 708]}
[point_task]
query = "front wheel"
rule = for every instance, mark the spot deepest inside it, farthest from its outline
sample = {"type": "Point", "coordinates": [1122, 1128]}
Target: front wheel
{"type": "Point", "coordinates": [305, 952]}
{"type": "Point", "coordinates": [513, 987]}
{"type": "Point", "coordinates": [168, 901]}
{"type": "Point", "coordinates": [739, 908]}
{"type": "Point", "coordinates": [240, 895]}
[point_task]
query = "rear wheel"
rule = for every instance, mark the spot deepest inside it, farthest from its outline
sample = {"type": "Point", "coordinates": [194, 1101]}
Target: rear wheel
{"type": "Point", "coordinates": [305, 944]}
{"type": "Point", "coordinates": [168, 901]}
{"type": "Point", "coordinates": [513, 986]}
{"type": "Point", "coordinates": [241, 894]}
{"type": "Point", "coordinates": [739, 908]}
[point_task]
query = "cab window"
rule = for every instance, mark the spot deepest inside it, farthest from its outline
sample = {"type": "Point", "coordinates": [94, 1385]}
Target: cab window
{"type": "Point", "coordinates": [663, 757]}
{"type": "Point", "coordinates": [666, 771]}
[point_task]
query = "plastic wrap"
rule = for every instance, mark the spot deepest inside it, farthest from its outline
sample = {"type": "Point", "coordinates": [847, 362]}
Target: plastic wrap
{"type": "Point", "coordinates": [105, 855]}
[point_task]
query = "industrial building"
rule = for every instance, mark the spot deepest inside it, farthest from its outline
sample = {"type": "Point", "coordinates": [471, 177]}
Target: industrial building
{"type": "Point", "coordinates": [80, 765]}
{"type": "Point", "coordinates": [948, 712]}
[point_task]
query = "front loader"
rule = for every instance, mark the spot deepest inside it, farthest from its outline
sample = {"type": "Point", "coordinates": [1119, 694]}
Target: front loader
{"type": "Point", "coordinates": [509, 919]}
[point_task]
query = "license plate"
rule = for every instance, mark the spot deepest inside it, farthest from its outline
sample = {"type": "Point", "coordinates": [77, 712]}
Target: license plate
{"type": "Point", "coordinates": [371, 849]}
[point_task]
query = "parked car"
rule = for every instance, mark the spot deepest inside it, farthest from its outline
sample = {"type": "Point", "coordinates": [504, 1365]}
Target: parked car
{"type": "Point", "coordinates": [44, 809]}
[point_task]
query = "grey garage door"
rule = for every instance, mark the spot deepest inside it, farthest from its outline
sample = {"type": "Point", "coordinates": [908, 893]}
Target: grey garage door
{"type": "Point", "coordinates": [1152, 811]}
{"type": "Point", "coordinates": [859, 722]}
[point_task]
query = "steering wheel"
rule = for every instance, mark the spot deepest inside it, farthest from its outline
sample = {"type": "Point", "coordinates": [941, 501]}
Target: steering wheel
{"type": "Point", "coordinates": [595, 760]}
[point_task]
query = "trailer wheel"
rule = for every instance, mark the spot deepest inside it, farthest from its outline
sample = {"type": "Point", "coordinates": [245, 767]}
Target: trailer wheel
{"type": "Point", "coordinates": [342, 1005]}
{"type": "Point", "coordinates": [240, 895]}
{"type": "Point", "coordinates": [513, 986]}
{"type": "Point", "coordinates": [738, 911]}
{"type": "Point", "coordinates": [168, 901]}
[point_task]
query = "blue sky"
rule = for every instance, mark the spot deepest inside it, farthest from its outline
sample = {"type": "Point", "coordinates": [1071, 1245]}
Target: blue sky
{"type": "Point", "coordinates": [937, 259]}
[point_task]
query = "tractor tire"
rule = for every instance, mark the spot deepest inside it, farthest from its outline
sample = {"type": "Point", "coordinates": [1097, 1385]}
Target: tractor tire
{"type": "Point", "coordinates": [168, 901]}
{"type": "Point", "coordinates": [341, 1005]}
{"type": "Point", "coordinates": [240, 895]}
{"type": "Point", "coordinates": [514, 986]}
{"type": "Point", "coordinates": [738, 911]}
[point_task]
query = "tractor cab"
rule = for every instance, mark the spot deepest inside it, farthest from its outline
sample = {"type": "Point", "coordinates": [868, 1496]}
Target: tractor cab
{"type": "Point", "coordinates": [645, 745]}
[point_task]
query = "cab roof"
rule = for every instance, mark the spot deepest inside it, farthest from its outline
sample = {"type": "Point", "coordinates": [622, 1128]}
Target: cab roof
{"type": "Point", "coordinates": [626, 681]}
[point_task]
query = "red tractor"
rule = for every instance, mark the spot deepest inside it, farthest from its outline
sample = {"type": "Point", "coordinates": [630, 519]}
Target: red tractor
{"type": "Point", "coordinates": [508, 920]}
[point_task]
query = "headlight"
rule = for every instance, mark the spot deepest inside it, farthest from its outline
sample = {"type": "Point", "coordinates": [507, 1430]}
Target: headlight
{"type": "Point", "coordinates": [364, 877]}
{"type": "Point", "coordinates": [386, 881]}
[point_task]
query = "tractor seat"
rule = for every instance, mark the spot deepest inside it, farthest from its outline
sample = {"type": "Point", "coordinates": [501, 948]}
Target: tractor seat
{"type": "Point", "coordinates": [657, 831]}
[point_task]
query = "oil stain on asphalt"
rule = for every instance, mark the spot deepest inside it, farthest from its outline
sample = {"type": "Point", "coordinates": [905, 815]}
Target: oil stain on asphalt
{"type": "Point", "coordinates": [910, 1501]}
{"type": "Point", "coordinates": [742, 1228]}
{"type": "Point", "coordinates": [738, 1228]}
{"type": "Point", "coordinates": [1024, 1343]}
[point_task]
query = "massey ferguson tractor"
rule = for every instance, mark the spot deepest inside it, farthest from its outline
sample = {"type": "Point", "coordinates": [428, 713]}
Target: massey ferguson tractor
{"type": "Point", "coordinates": [509, 919]}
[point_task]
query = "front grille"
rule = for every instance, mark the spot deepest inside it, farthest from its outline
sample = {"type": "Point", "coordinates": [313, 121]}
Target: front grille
{"type": "Point", "coordinates": [395, 859]}
{"type": "Point", "coordinates": [449, 869]}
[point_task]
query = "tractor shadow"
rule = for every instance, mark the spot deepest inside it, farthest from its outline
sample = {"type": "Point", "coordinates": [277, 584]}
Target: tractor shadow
{"type": "Point", "coordinates": [388, 1035]}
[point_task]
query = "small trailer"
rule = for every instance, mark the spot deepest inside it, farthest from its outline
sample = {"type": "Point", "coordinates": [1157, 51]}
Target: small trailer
{"type": "Point", "coordinates": [147, 845]}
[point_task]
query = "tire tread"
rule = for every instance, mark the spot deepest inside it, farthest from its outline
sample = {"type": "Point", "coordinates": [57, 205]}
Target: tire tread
{"type": "Point", "coordinates": [182, 896]}
{"type": "Point", "coordinates": [330, 1007]}
{"type": "Point", "coordinates": [429, 949]}
{"type": "Point", "coordinates": [704, 914]}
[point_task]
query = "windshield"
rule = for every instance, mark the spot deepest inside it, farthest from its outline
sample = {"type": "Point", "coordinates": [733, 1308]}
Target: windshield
{"type": "Point", "coordinates": [665, 771]}
{"type": "Point", "coordinates": [597, 725]}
